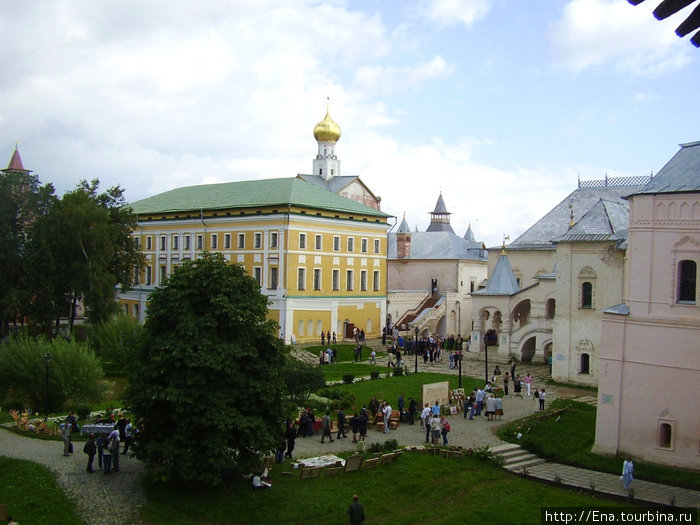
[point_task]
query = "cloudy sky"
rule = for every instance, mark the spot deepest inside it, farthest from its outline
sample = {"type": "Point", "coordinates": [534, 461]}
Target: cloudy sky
{"type": "Point", "coordinates": [499, 104]}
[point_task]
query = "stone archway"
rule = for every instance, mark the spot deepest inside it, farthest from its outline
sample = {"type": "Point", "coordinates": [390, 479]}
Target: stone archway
{"type": "Point", "coordinates": [527, 350]}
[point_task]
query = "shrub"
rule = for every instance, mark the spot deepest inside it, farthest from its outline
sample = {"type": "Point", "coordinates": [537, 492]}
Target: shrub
{"type": "Point", "coordinates": [301, 379]}
{"type": "Point", "coordinates": [348, 379]}
{"type": "Point", "coordinates": [398, 371]}
{"type": "Point", "coordinates": [374, 374]}
{"type": "Point", "coordinates": [81, 410]}
{"type": "Point", "coordinates": [391, 444]}
{"type": "Point", "coordinates": [115, 342]}
{"type": "Point", "coordinates": [375, 447]}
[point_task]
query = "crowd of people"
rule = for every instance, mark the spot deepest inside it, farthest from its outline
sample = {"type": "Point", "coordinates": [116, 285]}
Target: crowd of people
{"type": "Point", "coordinates": [106, 446]}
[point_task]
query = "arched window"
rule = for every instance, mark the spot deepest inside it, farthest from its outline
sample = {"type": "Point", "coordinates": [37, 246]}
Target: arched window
{"type": "Point", "coordinates": [300, 327]}
{"type": "Point", "coordinates": [585, 364]}
{"type": "Point", "coordinates": [687, 276]}
{"type": "Point", "coordinates": [586, 295]}
{"type": "Point", "coordinates": [550, 308]}
{"type": "Point", "coordinates": [665, 435]}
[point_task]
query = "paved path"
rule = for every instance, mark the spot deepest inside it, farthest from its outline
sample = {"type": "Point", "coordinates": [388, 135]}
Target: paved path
{"type": "Point", "coordinates": [101, 499]}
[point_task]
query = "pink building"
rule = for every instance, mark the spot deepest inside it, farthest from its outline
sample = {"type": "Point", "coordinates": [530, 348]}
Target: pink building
{"type": "Point", "coordinates": [650, 344]}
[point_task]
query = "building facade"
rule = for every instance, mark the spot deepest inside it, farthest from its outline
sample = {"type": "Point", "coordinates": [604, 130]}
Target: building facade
{"type": "Point", "coordinates": [319, 257]}
{"type": "Point", "coordinates": [650, 358]}
{"type": "Point", "coordinates": [430, 275]}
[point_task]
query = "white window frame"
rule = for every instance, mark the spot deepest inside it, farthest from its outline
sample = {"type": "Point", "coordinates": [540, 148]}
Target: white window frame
{"type": "Point", "coordinates": [349, 280]}
{"type": "Point", "coordinates": [302, 241]}
{"type": "Point", "coordinates": [301, 278]}
{"type": "Point", "coordinates": [318, 242]}
{"type": "Point", "coordinates": [336, 243]}
{"type": "Point", "coordinates": [364, 245]}
{"type": "Point", "coordinates": [318, 279]}
{"type": "Point", "coordinates": [351, 244]}
{"type": "Point", "coordinates": [241, 241]}
{"type": "Point", "coordinates": [227, 241]}
{"type": "Point", "coordinates": [257, 240]}
{"type": "Point", "coordinates": [273, 240]}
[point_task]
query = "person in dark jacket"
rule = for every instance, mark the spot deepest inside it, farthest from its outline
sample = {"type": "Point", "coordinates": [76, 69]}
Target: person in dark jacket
{"type": "Point", "coordinates": [355, 425]}
{"type": "Point", "coordinates": [291, 435]}
{"type": "Point", "coordinates": [90, 449]}
{"type": "Point", "coordinates": [356, 512]}
{"type": "Point", "coordinates": [341, 425]}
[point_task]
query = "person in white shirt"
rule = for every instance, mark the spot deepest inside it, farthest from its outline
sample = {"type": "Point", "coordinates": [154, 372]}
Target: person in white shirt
{"type": "Point", "coordinates": [387, 414]}
{"type": "Point", "coordinates": [425, 422]}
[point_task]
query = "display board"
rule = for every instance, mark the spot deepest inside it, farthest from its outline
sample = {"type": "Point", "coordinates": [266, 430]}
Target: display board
{"type": "Point", "coordinates": [436, 391]}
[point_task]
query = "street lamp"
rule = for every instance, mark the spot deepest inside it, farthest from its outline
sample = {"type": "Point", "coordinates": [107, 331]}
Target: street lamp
{"type": "Point", "coordinates": [415, 347]}
{"type": "Point", "coordinates": [47, 360]}
{"type": "Point", "coordinates": [486, 358]}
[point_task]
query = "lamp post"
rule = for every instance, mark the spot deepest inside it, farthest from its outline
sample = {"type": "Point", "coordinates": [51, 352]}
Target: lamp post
{"type": "Point", "coordinates": [459, 318]}
{"type": "Point", "coordinates": [47, 360]}
{"type": "Point", "coordinates": [486, 359]}
{"type": "Point", "coordinates": [415, 348]}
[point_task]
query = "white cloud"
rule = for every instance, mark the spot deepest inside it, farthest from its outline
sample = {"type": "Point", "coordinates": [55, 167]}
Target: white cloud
{"type": "Point", "coordinates": [387, 80]}
{"type": "Point", "coordinates": [600, 32]}
{"type": "Point", "coordinates": [452, 12]}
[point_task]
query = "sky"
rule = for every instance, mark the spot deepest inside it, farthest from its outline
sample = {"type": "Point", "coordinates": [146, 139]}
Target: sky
{"type": "Point", "coordinates": [500, 105]}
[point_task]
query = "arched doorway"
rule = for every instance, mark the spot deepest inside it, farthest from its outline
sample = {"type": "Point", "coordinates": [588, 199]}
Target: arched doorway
{"type": "Point", "coordinates": [527, 351]}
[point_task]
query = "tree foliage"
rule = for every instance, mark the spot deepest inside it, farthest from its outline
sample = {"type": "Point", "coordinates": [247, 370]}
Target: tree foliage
{"type": "Point", "coordinates": [207, 388]}
{"type": "Point", "coordinates": [74, 372]}
{"type": "Point", "coordinates": [302, 379]}
{"type": "Point", "coordinates": [23, 200]}
{"type": "Point", "coordinates": [116, 342]}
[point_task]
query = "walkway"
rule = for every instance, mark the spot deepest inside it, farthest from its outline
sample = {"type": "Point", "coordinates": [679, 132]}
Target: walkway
{"type": "Point", "coordinates": [100, 499]}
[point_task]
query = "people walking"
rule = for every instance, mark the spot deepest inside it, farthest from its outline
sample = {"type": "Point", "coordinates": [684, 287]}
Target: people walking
{"type": "Point", "coordinates": [627, 472]}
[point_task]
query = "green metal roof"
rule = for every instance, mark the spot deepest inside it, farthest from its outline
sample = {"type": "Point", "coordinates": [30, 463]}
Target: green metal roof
{"type": "Point", "coordinates": [291, 191]}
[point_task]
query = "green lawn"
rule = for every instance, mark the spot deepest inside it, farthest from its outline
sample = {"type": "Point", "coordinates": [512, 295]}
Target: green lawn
{"type": "Point", "coordinates": [346, 352]}
{"type": "Point", "coordinates": [410, 385]}
{"type": "Point", "coordinates": [32, 495]}
{"type": "Point", "coordinates": [568, 436]}
{"type": "Point", "coordinates": [413, 489]}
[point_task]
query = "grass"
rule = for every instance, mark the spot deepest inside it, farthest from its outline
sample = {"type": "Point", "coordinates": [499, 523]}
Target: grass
{"type": "Point", "coordinates": [404, 492]}
{"type": "Point", "coordinates": [410, 385]}
{"type": "Point", "coordinates": [32, 495]}
{"type": "Point", "coordinates": [346, 352]}
{"type": "Point", "coordinates": [568, 437]}
{"type": "Point", "coordinates": [335, 372]}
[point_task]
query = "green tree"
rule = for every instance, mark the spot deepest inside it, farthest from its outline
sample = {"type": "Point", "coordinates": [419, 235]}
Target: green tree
{"type": "Point", "coordinates": [116, 342]}
{"type": "Point", "coordinates": [302, 379]}
{"type": "Point", "coordinates": [74, 371]}
{"type": "Point", "coordinates": [82, 250]}
{"type": "Point", "coordinates": [207, 388]}
{"type": "Point", "coordinates": [23, 201]}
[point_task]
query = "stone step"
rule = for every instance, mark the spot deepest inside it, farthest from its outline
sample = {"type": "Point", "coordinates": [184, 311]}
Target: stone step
{"type": "Point", "coordinates": [519, 459]}
{"type": "Point", "coordinates": [519, 466]}
{"type": "Point", "coordinates": [513, 453]}
{"type": "Point", "coordinates": [505, 447]}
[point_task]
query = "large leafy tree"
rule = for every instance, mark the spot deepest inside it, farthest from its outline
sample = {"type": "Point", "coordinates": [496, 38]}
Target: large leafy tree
{"type": "Point", "coordinates": [207, 388]}
{"type": "Point", "coordinates": [23, 201]}
{"type": "Point", "coordinates": [82, 250]}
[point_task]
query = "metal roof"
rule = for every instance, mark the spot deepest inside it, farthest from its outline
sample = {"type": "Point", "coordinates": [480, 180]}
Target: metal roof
{"type": "Point", "coordinates": [438, 245]}
{"type": "Point", "coordinates": [556, 222]}
{"type": "Point", "coordinates": [292, 191]}
{"type": "Point", "coordinates": [681, 174]}
{"type": "Point", "coordinates": [502, 281]}
{"type": "Point", "coordinates": [605, 221]}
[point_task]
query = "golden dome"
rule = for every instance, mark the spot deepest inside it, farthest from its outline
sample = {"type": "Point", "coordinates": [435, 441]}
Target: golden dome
{"type": "Point", "coordinates": [327, 130]}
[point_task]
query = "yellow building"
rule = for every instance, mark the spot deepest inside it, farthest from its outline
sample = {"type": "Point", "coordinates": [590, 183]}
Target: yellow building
{"type": "Point", "coordinates": [319, 257]}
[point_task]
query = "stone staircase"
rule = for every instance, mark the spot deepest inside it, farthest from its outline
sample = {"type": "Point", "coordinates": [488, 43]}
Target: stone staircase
{"type": "Point", "coordinates": [515, 458]}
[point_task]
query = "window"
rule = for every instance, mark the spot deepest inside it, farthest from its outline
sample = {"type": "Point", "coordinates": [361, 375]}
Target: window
{"type": "Point", "coordinates": [161, 277]}
{"type": "Point", "coordinates": [257, 240]}
{"type": "Point", "coordinates": [348, 280]}
{"type": "Point", "coordinates": [472, 285]}
{"type": "Point", "coordinates": [227, 241]}
{"type": "Point", "coordinates": [363, 245]}
{"type": "Point", "coordinates": [363, 280]}
{"type": "Point", "coordinates": [148, 275]}
{"type": "Point", "coordinates": [241, 241]}
{"type": "Point", "coordinates": [302, 241]}
{"type": "Point", "coordinates": [176, 242]}
{"type": "Point", "coordinates": [187, 242]}
{"type": "Point", "coordinates": [375, 281]}
{"type": "Point", "coordinates": [300, 326]}
{"type": "Point", "coordinates": [665, 435]}
{"type": "Point", "coordinates": [317, 278]}
{"type": "Point", "coordinates": [351, 244]}
{"type": "Point", "coordinates": [584, 367]}
{"type": "Point", "coordinates": [336, 243]}
{"type": "Point", "coordinates": [336, 280]}
{"type": "Point", "coordinates": [214, 241]}
{"type": "Point", "coordinates": [257, 274]}
{"type": "Point", "coordinates": [273, 279]}
{"type": "Point", "coordinates": [137, 243]}
{"type": "Point", "coordinates": [319, 241]}
{"type": "Point", "coordinates": [200, 241]}
{"type": "Point", "coordinates": [301, 279]}
{"type": "Point", "coordinates": [149, 246]}
{"type": "Point", "coordinates": [550, 308]}
{"type": "Point", "coordinates": [273, 240]}
{"type": "Point", "coordinates": [586, 295]}
{"type": "Point", "coordinates": [136, 275]}
{"type": "Point", "coordinates": [136, 311]}
{"type": "Point", "coordinates": [162, 243]}
{"type": "Point", "coordinates": [687, 277]}
{"type": "Point", "coordinates": [376, 245]}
